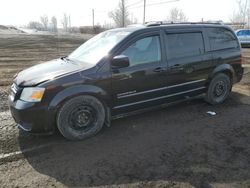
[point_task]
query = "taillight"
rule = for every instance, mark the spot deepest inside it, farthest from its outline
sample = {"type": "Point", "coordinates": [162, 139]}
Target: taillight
{"type": "Point", "coordinates": [241, 59]}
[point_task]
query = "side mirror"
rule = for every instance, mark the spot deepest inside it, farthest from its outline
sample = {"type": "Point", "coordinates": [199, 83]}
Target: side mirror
{"type": "Point", "coordinates": [120, 61]}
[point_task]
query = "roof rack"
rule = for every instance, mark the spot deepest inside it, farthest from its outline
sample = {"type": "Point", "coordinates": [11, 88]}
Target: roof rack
{"type": "Point", "coordinates": [159, 23]}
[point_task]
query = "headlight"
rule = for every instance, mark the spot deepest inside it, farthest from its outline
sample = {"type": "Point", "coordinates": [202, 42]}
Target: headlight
{"type": "Point", "coordinates": [32, 94]}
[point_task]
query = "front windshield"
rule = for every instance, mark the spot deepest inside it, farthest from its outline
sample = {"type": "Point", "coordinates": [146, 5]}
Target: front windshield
{"type": "Point", "coordinates": [97, 47]}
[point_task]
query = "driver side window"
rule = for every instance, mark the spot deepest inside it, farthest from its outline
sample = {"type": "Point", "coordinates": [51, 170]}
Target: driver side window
{"type": "Point", "coordinates": [146, 50]}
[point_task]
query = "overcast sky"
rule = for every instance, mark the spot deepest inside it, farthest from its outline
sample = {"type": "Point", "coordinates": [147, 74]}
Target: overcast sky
{"type": "Point", "coordinates": [20, 12]}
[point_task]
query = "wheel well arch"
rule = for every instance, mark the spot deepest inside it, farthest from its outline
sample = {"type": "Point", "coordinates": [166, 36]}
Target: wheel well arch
{"type": "Point", "coordinates": [228, 73]}
{"type": "Point", "coordinates": [62, 102]}
{"type": "Point", "coordinates": [60, 98]}
{"type": "Point", "coordinates": [225, 69]}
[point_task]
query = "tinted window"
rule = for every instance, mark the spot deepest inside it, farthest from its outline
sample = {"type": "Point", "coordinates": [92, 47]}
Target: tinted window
{"type": "Point", "coordinates": [184, 45]}
{"type": "Point", "coordinates": [146, 50]}
{"type": "Point", "coordinates": [221, 38]}
{"type": "Point", "coordinates": [239, 33]}
{"type": "Point", "coordinates": [243, 32]}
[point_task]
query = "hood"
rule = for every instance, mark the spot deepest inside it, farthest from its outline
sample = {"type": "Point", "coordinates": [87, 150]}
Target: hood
{"type": "Point", "coordinates": [47, 71]}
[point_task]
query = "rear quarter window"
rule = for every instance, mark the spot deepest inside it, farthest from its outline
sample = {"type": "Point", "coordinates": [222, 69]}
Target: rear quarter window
{"type": "Point", "coordinates": [221, 38]}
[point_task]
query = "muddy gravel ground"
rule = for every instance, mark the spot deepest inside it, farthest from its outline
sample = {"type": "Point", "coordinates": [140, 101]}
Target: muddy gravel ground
{"type": "Point", "coordinates": [20, 51]}
{"type": "Point", "coordinates": [178, 146]}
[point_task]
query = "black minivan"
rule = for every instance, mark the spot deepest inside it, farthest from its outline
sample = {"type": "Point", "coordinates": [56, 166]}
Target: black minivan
{"type": "Point", "coordinates": [125, 71]}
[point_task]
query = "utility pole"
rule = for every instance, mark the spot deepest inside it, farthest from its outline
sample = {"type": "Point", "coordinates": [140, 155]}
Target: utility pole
{"type": "Point", "coordinates": [93, 18]}
{"type": "Point", "coordinates": [123, 13]}
{"type": "Point", "coordinates": [245, 12]}
{"type": "Point", "coordinates": [69, 23]}
{"type": "Point", "coordinates": [248, 14]}
{"type": "Point", "coordinates": [144, 11]}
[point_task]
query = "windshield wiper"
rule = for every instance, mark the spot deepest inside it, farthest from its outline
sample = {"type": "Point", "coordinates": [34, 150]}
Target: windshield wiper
{"type": "Point", "coordinates": [66, 59]}
{"type": "Point", "coordinates": [74, 61]}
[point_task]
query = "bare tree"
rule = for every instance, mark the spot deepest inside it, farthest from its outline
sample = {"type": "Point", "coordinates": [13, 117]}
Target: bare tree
{"type": "Point", "coordinates": [121, 14]}
{"type": "Point", "coordinates": [177, 15]}
{"type": "Point", "coordinates": [45, 21]}
{"type": "Point", "coordinates": [65, 22]}
{"type": "Point", "coordinates": [35, 25]}
{"type": "Point", "coordinates": [54, 24]}
{"type": "Point", "coordinates": [242, 15]}
{"type": "Point", "coordinates": [69, 18]}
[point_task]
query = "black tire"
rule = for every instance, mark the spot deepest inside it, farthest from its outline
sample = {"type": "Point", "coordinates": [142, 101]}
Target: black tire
{"type": "Point", "coordinates": [219, 89]}
{"type": "Point", "coordinates": [81, 117]}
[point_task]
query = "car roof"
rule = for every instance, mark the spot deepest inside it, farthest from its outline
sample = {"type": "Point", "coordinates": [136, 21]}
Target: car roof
{"type": "Point", "coordinates": [169, 26]}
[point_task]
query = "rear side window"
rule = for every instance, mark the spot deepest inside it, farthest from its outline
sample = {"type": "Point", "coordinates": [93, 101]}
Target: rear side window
{"type": "Point", "coordinates": [181, 45]}
{"type": "Point", "coordinates": [221, 38]}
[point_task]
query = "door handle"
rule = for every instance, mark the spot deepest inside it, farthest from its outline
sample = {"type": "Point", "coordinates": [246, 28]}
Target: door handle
{"type": "Point", "coordinates": [177, 67]}
{"type": "Point", "coordinates": [159, 69]}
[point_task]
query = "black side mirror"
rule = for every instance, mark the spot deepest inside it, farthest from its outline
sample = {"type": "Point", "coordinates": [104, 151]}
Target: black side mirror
{"type": "Point", "coordinates": [120, 61]}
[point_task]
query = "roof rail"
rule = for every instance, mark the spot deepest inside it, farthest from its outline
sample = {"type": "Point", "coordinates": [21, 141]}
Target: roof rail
{"type": "Point", "coordinates": [159, 23]}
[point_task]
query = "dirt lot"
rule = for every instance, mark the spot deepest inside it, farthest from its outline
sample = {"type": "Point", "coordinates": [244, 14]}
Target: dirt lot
{"type": "Point", "coordinates": [179, 146]}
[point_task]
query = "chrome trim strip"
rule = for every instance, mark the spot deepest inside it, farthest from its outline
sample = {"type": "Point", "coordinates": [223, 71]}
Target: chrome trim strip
{"type": "Point", "coordinates": [157, 98]}
{"type": "Point", "coordinates": [14, 88]}
{"type": "Point", "coordinates": [120, 95]}
{"type": "Point", "coordinates": [23, 128]}
{"type": "Point", "coordinates": [158, 89]}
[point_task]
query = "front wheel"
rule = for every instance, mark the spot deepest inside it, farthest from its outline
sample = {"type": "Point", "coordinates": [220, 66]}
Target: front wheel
{"type": "Point", "coordinates": [81, 117]}
{"type": "Point", "coordinates": [219, 89]}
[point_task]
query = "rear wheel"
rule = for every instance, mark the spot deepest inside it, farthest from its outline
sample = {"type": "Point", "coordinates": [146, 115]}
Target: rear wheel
{"type": "Point", "coordinates": [81, 117]}
{"type": "Point", "coordinates": [219, 89]}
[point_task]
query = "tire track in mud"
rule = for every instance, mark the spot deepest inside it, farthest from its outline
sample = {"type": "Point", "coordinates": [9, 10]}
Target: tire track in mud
{"type": "Point", "coordinates": [11, 137]}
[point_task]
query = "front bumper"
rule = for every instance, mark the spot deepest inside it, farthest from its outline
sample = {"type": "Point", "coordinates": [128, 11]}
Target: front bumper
{"type": "Point", "coordinates": [32, 117]}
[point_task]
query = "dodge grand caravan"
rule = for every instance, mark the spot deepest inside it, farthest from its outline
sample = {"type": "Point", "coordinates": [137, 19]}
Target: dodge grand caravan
{"type": "Point", "coordinates": [125, 71]}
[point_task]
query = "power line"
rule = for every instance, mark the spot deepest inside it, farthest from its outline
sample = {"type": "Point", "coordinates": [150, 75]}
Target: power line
{"type": "Point", "coordinates": [138, 2]}
{"type": "Point", "coordinates": [171, 1]}
{"type": "Point", "coordinates": [158, 3]}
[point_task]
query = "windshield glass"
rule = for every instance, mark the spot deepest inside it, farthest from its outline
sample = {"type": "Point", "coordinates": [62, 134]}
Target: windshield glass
{"type": "Point", "coordinates": [97, 47]}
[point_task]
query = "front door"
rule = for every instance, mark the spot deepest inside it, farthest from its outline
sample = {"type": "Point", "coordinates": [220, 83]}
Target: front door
{"type": "Point", "coordinates": [133, 87]}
